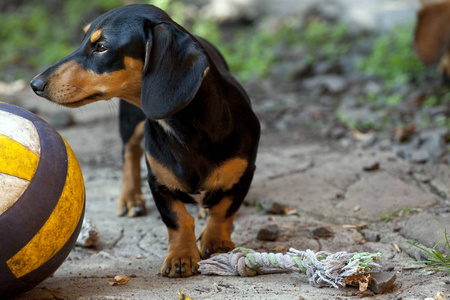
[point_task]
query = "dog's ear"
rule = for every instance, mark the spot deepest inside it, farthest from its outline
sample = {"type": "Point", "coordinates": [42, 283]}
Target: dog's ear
{"type": "Point", "coordinates": [432, 37]}
{"type": "Point", "coordinates": [173, 71]}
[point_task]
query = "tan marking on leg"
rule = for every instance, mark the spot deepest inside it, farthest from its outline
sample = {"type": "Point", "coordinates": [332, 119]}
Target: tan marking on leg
{"type": "Point", "coordinates": [96, 36]}
{"type": "Point", "coordinates": [70, 84]}
{"type": "Point", "coordinates": [131, 192]}
{"type": "Point", "coordinates": [163, 175]}
{"type": "Point", "coordinates": [182, 256]}
{"type": "Point", "coordinates": [226, 175]}
{"type": "Point", "coordinates": [216, 236]}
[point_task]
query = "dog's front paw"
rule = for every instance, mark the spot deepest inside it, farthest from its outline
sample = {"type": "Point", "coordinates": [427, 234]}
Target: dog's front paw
{"type": "Point", "coordinates": [131, 206]}
{"type": "Point", "coordinates": [181, 263]}
{"type": "Point", "coordinates": [210, 245]}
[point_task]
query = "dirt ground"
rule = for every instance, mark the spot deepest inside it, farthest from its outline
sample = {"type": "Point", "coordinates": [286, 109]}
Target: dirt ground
{"type": "Point", "coordinates": [323, 183]}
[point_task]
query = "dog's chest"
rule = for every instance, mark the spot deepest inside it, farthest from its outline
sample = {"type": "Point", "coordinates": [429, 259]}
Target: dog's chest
{"type": "Point", "coordinates": [223, 177]}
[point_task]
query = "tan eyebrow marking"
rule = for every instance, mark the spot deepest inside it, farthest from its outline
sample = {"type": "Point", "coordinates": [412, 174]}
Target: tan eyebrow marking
{"type": "Point", "coordinates": [96, 35]}
{"type": "Point", "coordinates": [86, 28]}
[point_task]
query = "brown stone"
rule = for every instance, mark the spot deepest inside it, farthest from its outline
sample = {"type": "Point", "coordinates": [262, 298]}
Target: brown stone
{"type": "Point", "coordinates": [382, 282]}
{"type": "Point", "coordinates": [269, 233]}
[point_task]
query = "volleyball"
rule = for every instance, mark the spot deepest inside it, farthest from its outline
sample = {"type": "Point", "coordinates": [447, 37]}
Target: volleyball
{"type": "Point", "coordinates": [42, 200]}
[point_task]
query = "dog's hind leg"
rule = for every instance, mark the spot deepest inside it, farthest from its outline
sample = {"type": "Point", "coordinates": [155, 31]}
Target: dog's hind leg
{"type": "Point", "coordinates": [131, 201]}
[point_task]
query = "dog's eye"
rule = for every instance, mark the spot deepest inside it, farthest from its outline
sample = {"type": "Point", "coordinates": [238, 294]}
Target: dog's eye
{"type": "Point", "coordinates": [100, 48]}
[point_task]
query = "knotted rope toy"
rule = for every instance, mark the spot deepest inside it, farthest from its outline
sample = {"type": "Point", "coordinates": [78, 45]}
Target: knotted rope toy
{"type": "Point", "coordinates": [323, 269]}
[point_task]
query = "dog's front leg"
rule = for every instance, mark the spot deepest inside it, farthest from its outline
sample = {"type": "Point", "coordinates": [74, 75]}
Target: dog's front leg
{"type": "Point", "coordinates": [216, 235]}
{"type": "Point", "coordinates": [182, 255]}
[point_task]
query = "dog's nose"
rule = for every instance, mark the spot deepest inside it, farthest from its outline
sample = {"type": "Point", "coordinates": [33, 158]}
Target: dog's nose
{"type": "Point", "coordinates": [38, 85]}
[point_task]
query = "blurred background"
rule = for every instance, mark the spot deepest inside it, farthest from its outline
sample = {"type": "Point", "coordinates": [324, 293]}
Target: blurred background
{"type": "Point", "coordinates": [341, 70]}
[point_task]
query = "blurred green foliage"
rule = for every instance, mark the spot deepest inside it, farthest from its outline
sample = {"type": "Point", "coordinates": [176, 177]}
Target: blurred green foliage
{"type": "Point", "coordinates": [250, 54]}
{"type": "Point", "coordinates": [393, 59]}
{"type": "Point", "coordinates": [329, 40]}
{"type": "Point", "coordinates": [38, 33]}
{"type": "Point", "coordinates": [253, 52]}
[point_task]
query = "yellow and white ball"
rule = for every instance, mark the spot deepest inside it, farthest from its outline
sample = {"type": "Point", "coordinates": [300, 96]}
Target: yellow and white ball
{"type": "Point", "coordinates": [42, 200]}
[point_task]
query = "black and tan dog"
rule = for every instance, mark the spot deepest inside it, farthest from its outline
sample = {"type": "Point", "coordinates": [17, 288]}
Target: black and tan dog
{"type": "Point", "coordinates": [201, 135]}
{"type": "Point", "coordinates": [432, 36]}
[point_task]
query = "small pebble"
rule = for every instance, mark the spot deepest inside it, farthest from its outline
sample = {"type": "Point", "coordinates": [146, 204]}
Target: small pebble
{"type": "Point", "coordinates": [269, 233]}
{"type": "Point", "coordinates": [443, 210]}
{"type": "Point", "coordinates": [382, 282]}
{"type": "Point", "coordinates": [388, 268]}
{"type": "Point", "coordinates": [89, 235]}
{"type": "Point", "coordinates": [372, 166]}
{"type": "Point", "coordinates": [369, 141]}
{"type": "Point", "coordinates": [373, 238]}
{"type": "Point", "coordinates": [273, 207]}
{"type": "Point", "coordinates": [62, 119]}
{"type": "Point", "coordinates": [419, 156]}
{"type": "Point", "coordinates": [323, 232]}
{"type": "Point", "coordinates": [337, 132]}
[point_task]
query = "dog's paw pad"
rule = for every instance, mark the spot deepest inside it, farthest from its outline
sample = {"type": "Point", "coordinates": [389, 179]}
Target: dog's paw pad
{"type": "Point", "coordinates": [207, 249]}
{"type": "Point", "coordinates": [180, 266]}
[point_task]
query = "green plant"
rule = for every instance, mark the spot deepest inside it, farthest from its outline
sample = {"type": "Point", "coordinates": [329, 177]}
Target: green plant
{"type": "Point", "coordinates": [437, 96]}
{"type": "Point", "coordinates": [393, 58]}
{"type": "Point", "coordinates": [250, 54]}
{"type": "Point", "coordinates": [394, 99]}
{"type": "Point", "coordinates": [396, 213]}
{"type": "Point", "coordinates": [327, 40]}
{"type": "Point", "coordinates": [436, 262]}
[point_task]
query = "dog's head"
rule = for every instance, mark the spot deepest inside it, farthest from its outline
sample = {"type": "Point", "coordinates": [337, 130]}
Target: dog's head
{"type": "Point", "coordinates": [432, 36]}
{"type": "Point", "coordinates": [135, 52]}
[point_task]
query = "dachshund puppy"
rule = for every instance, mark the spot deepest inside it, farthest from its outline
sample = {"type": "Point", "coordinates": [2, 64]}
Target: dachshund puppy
{"type": "Point", "coordinates": [201, 135]}
{"type": "Point", "coordinates": [432, 36]}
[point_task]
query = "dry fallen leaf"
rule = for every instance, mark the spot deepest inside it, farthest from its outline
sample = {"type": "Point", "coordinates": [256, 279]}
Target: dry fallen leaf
{"type": "Point", "coordinates": [279, 248]}
{"type": "Point", "coordinates": [180, 295]}
{"type": "Point", "coordinates": [119, 280]}
{"type": "Point", "coordinates": [290, 211]}
{"type": "Point", "coordinates": [440, 296]}
{"type": "Point", "coordinates": [361, 280]}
